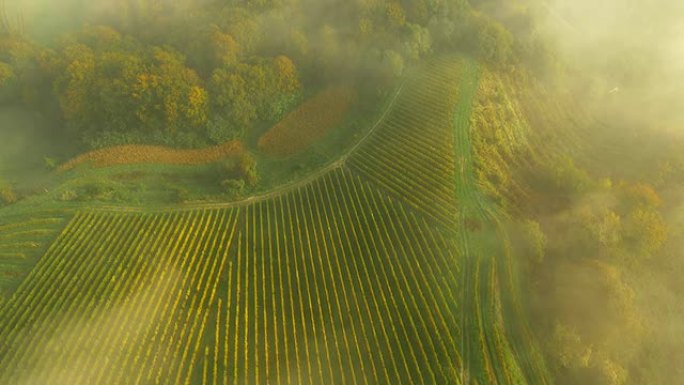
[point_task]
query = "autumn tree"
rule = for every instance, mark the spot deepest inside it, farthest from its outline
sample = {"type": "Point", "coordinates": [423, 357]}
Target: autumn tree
{"type": "Point", "coordinates": [246, 93]}
{"type": "Point", "coordinates": [113, 90]}
{"type": "Point", "coordinates": [26, 70]}
{"type": "Point", "coordinates": [418, 42]}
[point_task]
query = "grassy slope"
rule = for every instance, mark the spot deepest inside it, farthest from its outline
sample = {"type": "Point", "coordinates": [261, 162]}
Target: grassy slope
{"type": "Point", "coordinates": [508, 347]}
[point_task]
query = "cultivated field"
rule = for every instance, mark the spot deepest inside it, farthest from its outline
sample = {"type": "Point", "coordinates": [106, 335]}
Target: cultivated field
{"type": "Point", "coordinates": [389, 268]}
{"type": "Point", "coordinates": [22, 242]}
{"type": "Point", "coordinates": [308, 123]}
{"type": "Point", "coordinates": [140, 154]}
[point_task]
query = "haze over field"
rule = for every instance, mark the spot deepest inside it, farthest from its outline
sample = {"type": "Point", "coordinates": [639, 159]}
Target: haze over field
{"type": "Point", "coordinates": [497, 196]}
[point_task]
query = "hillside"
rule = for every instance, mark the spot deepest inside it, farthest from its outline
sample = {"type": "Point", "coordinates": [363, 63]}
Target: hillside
{"type": "Point", "coordinates": [355, 276]}
{"type": "Point", "coordinates": [333, 192]}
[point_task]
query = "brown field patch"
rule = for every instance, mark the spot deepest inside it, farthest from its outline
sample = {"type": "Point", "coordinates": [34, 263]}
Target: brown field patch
{"type": "Point", "coordinates": [308, 123]}
{"type": "Point", "coordinates": [144, 154]}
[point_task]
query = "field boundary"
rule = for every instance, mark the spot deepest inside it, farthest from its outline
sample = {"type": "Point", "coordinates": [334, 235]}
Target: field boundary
{"type": "Point", "coordinates": [148, 154]}
{"type": "Point", "coordinates": [283, 189]}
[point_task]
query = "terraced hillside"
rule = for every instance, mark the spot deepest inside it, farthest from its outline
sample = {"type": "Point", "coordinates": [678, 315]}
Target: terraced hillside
{"type": "Point", "coordinates": [389, 268]}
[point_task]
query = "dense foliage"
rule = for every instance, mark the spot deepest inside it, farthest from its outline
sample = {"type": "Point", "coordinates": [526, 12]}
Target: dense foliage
{"type": "Point", "coordinates": [194, 73]}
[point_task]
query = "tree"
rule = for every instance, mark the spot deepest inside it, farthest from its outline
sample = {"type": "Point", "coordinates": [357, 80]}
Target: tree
{"type": "Point", "coordinates": [8, 81]}
{"type": "Point", "coordinates": [569, 177]}
{"type": "Point", "coordinates": [418, 43]}
{"type": "Point", "coordinates": [7, 194]}
{"type": "Point", "coordinates": [246, 93]}
{"type": "Point", "coordinates": [418, 12]}
{"type": "Point", "coordinates": [646, 230]}
{"type": "Point", "coordinates": [492, 42]}
{"type": "Point", "coordinates": [233, 188]}
{"type": "Point", "coordinates": [119, 91]}
{"type": "Point", "coordinates": [225, 48]}
{"type": "Point", "coordinates": [286, 75]}
{"type": "Point", "coordinates": [230, 98]}
{"type": "Point", "coordinates": [247, 167]}
{"type": "Point", "coordinates": [396, 16]}
{"type": "Point", "coordinates": [641, 194]}
{"type": "Point", "coordinates": [6, 74]}
{"type": "Point", "coordinates": [571, 352]}
{"type": "Point", "coordinates": [27, 69]}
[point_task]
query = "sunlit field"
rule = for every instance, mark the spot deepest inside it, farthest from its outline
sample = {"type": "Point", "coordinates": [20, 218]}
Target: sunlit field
{"type": "Point", "coordinates": [326, 192]}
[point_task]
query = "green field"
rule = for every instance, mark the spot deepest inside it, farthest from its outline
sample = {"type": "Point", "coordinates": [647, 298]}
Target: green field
{"type": "Point", "coordinates": [390, 267]}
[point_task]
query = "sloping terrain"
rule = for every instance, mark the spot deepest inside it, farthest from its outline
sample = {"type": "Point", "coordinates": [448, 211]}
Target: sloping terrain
{"type": "Point", "coordinates": [391, 267]}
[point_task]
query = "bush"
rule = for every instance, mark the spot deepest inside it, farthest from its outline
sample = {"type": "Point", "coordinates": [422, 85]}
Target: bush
{"type": "Point", "coordinates": [570, 178]}
{"type": "Point", "coordinates": [247, 168]}
{"type": "Point", "coordinates": [7, 194]}
{"type": "Point", "coordinates": [233, 188]}
{"type": "Point", "coordinates": [68, 195]}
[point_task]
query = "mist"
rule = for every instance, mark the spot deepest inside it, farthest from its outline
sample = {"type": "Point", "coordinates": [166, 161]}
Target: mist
{"type": "Point", "coordinates": [596, 88]}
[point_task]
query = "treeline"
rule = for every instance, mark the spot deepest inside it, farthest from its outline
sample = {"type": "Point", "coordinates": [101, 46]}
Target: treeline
{"type": "Point", "coordinates": [192, 73]}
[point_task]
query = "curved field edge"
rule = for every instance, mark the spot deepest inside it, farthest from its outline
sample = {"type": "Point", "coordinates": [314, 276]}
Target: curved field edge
{"type": "Point", "coordinates": [494, 352]}
{"type": "Point", "coordinates": [50, 200]}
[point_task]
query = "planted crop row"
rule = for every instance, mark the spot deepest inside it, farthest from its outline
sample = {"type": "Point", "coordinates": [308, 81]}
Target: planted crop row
{"type": "Point", "coordinates": [333, 283]}
{"type": "Point", "coordinates": [120, 298]}
{"type": "Point", "coordinates": [370, 274]}
{"type": "Point", "coordinates": [411, 154]}
{"type": "Point", "coordinates": [21, 243]}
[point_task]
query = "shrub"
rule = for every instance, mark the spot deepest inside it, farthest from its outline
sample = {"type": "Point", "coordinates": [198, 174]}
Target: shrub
{"type": "Point", "coordinates": [7, 194]}
{"type": "Point", "coordinates": [233, 188]}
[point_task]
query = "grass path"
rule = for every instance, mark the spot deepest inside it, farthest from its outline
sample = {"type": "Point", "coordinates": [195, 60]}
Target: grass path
{"type": "Point", "coordinates": [492, 353]}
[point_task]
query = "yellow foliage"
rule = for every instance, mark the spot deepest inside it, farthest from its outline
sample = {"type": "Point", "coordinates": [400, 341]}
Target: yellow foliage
{"type": "Point", "coordinates": [396, 14]}
{"type": "Point", "coordinates": [288, 81]}
{"type": "Point", "coordinates": [198, 105]}
{"type": "Point", "coordinates": [226, 48]}
{"type": "Point", "coordinates": [644, 194]}
{"type": "Point", "coordinates": [648, 229]}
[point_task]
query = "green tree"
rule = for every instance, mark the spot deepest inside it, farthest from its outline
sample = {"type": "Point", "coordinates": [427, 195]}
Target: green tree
{"type": "Point", "coordinates": [646, 231]}
{"type": "Point", "coordinates": [247, 167]}
{"type": "Point", "coordinates": [246, 93]}
{"type": "Point", "coordinates": [492, 42]}
{"type": "Point", "coordinates": [418, 42]}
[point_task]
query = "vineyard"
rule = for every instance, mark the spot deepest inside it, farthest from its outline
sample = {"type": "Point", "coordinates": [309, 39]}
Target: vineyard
{"type": "Point", "coordinates": [22, 242]}
{"type": "Point", "coordinates": [308, 123]}
{"type": "Point", "coordinates": [389, 268]}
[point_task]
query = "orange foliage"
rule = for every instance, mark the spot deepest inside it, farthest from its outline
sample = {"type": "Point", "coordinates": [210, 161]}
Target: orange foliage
{"type": "Point", "coordinates": [141, 154]}
{"type": "Point", "coordinates": [308, 123]}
